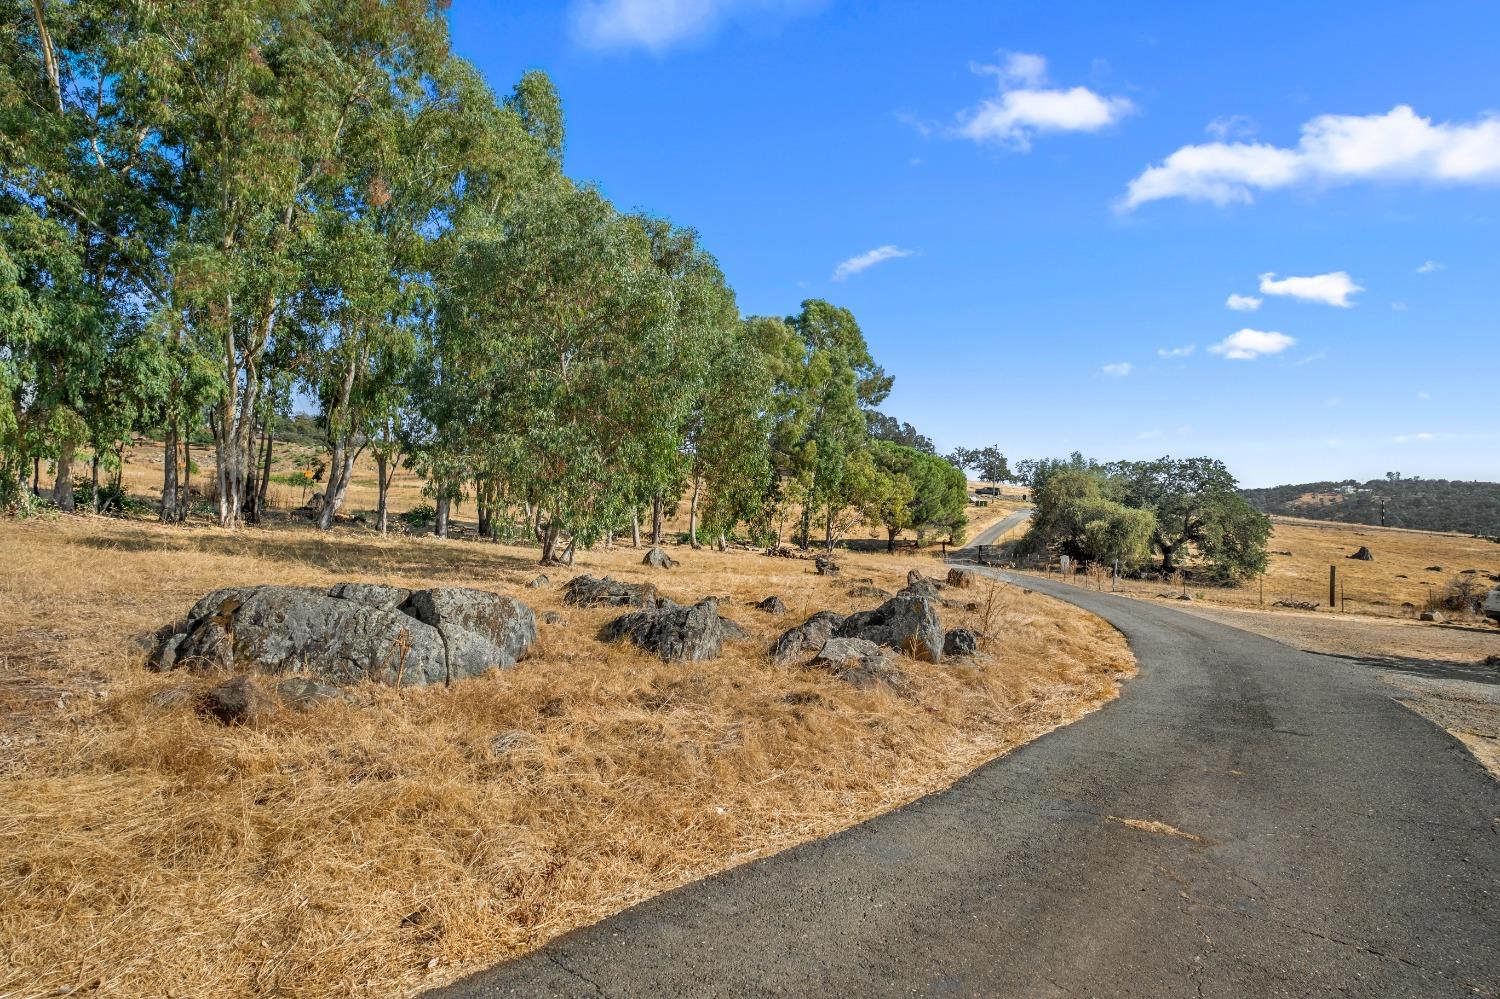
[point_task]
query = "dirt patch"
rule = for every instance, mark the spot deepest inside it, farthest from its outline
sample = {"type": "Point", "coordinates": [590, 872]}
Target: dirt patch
{"type": "Point", "coordinates": [1160, 828]}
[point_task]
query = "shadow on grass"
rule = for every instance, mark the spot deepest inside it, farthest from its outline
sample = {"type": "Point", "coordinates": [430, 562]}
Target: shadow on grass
{"type": "Point", "coordinates": [338, 552]}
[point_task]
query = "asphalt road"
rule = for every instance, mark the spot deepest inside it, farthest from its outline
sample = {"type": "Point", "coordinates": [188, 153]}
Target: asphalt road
{"type": "Point", "coordinates": [999, 528]}
{"type": "Point", "coordinates": [1331, 843]}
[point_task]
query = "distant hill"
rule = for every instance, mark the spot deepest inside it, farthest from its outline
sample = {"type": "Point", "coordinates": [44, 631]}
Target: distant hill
{"type": "Point", "coordinates": [1424, 504]}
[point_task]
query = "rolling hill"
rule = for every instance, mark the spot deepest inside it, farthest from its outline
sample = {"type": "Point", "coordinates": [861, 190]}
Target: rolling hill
{"type": "Point", "coordinates": [1424, 504]}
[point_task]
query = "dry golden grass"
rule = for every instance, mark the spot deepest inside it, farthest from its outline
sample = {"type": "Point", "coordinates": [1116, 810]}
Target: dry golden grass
{"type": "Point", "coordinates": [1399, 575]}
{"type": "Point", "coordinates": [379, 847]}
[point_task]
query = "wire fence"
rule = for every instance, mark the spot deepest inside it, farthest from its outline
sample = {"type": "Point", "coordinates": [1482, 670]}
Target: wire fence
{"type": "Point", "coordinates": [1342, 590]}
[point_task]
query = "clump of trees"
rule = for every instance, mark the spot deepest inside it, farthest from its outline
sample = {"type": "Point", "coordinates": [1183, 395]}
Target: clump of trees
{"type": "Point", "coordinates": [210, 210]}
{"type": "Point", "coordinates": [1183, 513]}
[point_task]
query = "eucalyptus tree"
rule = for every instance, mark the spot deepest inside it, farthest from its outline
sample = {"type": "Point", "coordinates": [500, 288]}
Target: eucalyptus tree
{"type": "Point", "coordinates": [822, 430]}
{"type": "Point", "coordinates": [563, 338]}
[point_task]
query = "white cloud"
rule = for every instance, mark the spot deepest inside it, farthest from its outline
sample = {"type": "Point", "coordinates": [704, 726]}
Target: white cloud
{"type": "Point", "coordinates": [1330, 289]}
{"type": "Point", "coordinates": [1026, 106]}
{"type": "Point", "coordinates": [1242, 303]}
{"type": "Point", "coordinates": [869, 259]}
{"type": "Point", "coordinates": [1399, 306]}
{"type": "Point", "coordinates": [1176, 351]}
{"type": "Point", "coordinates": [1424, 395]}
{"type": "Point", "coordinates": [1422, 436]}
{"type": "Point", "coordinates": [659, 24]}
{"type": "Point", "coordinates": [1119, 369]}
{"type": "Point", "coordinates": [1247, 344]}
{"type": "Point", "coordinates": [1234, 126]}
{"type": "Point", "coordinates": [1431, 266]}
{"type": "Point", "coordinates": [1334, 149]}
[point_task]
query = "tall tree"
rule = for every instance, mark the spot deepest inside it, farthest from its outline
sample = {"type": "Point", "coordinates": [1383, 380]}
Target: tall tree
{"type": "Point", "coordinates": [1198, 510]}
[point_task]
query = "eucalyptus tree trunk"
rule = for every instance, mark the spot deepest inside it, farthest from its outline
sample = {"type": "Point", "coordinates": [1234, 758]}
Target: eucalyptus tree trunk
{"type": "Point", "coordinates": [549, 543]}
{"type": "Point", "coordinates": [265, 473]}
{"type": "Point", "coordinates": [635, 528]}
{"type": "Point", "coordinates": [693, 513]}
{"type": "Point", "coordinates": [383, 487]}
{"type": "Point", "coordinates": [94, 482]}
{"type": "Point", "coordinates": [62, 486]}
{"type": "Point", "coordinates": [657, 519]}
{"type": "Point", "coordinates": [828, 532]}
{"type": "Point", "coordinates": [440, 519]}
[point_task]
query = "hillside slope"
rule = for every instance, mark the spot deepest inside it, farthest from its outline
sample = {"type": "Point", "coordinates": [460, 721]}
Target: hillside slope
{"type": "Point", "coordinates": [1423, 504]}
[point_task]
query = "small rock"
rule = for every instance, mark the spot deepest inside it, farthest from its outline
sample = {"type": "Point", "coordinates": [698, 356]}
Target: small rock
{"type": "Point", "coordinates": [872, 592]}
{"type": "Point", "coordinates": [808, 636]}
{"type": "Point", "coordinates": [1364, 554]}
{"type": "Point", "coordinates": [657, 558]}
{"type": "Point", "coordinates": [165, 656]}
{"type": "Point", "coordinates": [857, 661]}
{"type": "Point", "coordinates": [825, 565]}
{"type": "Point", "coordinates": [539, 582]}
{"type": "Point", "coordinates": [1434, 568]}
{"type": "Point", "coordinates": [239, 701]}
{"type": "Point", "coordinates": [920, 587]}
{"type": "Point", "coordinates": [962, 579]}
{"type": "Point", "coordinates": [1435, 617]}
{"type": "Point", "coordinates": [1491, 661]}
{"type": "Point", "coordinates": [961, 642]}
{"type": "Point", "coordinates": [1185, 596]}
{"type": "Point", "coordinates": [772, 605]}
{"type": "Point", "coordinates": [586, 591]}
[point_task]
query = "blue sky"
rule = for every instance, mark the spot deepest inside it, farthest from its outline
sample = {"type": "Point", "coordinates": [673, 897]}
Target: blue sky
{"type": "Point", "coordinates": [1042, 209]}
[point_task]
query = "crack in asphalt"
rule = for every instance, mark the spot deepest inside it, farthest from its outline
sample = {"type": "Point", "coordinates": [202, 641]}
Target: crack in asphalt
{"type": "Point", "coordinates": [598, 989]}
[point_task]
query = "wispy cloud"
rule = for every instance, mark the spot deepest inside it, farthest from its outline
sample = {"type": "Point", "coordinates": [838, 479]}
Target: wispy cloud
{"type": "Point", "coordinates": [1330, 289]}
{"type": "Point", "coordinates": [658, 25]}
{"type": "Point", "coordinates": [1248, 344]}
{"type": "Point", "coordinates": [1169, 352]}
{"type": "Point", "coordinates": [1422, 436]}
{"type": "Point", "coordinates": [1026, 105]}
{"type": "Point", "coordinates": [1242, 303]}
{"type": "Point", "coordinates": [868, 259]}
{"type": "Point", "coordinates": [1431, 266]}
{"type": "Point", "coordinates": [1119, 369]}
{"type": "Point", "coordinates": [1399, 145]}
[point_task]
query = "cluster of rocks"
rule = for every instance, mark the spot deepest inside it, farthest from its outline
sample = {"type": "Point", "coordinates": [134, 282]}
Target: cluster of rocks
{"type": "Point", "coordinates": [858, 647]}
{"type": "Point", "coordinates": [307, 643]}
{"type": "Point", "coordinates": [350, 632]}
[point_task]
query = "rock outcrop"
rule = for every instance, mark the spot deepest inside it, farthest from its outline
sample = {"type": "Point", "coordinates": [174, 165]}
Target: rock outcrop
{"type": "Point", "coordinates": [809, 636]}
{"type": "Point", "coordinates": [674, 632]}
{"type": "Point", "coordinates": [908, 624]}
{"type": "Point", "coordinates": [349, 633]}
{"type": "Point", "coordinates": [859, 662]}
{"type": "Point", "coordinates": [586, 591]}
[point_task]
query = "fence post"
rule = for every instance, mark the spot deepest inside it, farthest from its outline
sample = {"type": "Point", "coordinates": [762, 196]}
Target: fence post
{"type": "Point", "coordinates": [1333, 586]}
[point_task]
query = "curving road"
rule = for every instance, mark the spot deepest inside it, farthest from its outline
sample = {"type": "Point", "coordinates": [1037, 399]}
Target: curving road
{"type": "Point", "coordinates": [1317, 839]}
{"type": "Point", "coordinates": [1000, 528]}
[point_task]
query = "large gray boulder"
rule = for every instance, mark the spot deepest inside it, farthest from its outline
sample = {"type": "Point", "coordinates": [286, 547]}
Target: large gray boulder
{"type": "Point", "coordinates": [480, 630]}
{"type": "Point", "coordinates": [674, 632]}
{"type": "Point", "coordinates": [809, 636]}
{"type": "Point", "coordinates": [857, 661]}
{"type": "Point", "coordinates": [918, 585]}
{"type": "Point", "coordinates": [350, 633]}
{"type": "Point", "coordinates": [586, 591]}
{"type": "Point", "coordinates": [908, 624]}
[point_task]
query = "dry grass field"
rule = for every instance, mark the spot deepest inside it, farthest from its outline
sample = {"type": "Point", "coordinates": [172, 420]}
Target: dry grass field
{"type": "Point", "coordinates": [1409, 567]}
{"type": "Point", "coordinates": [376, 847]}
